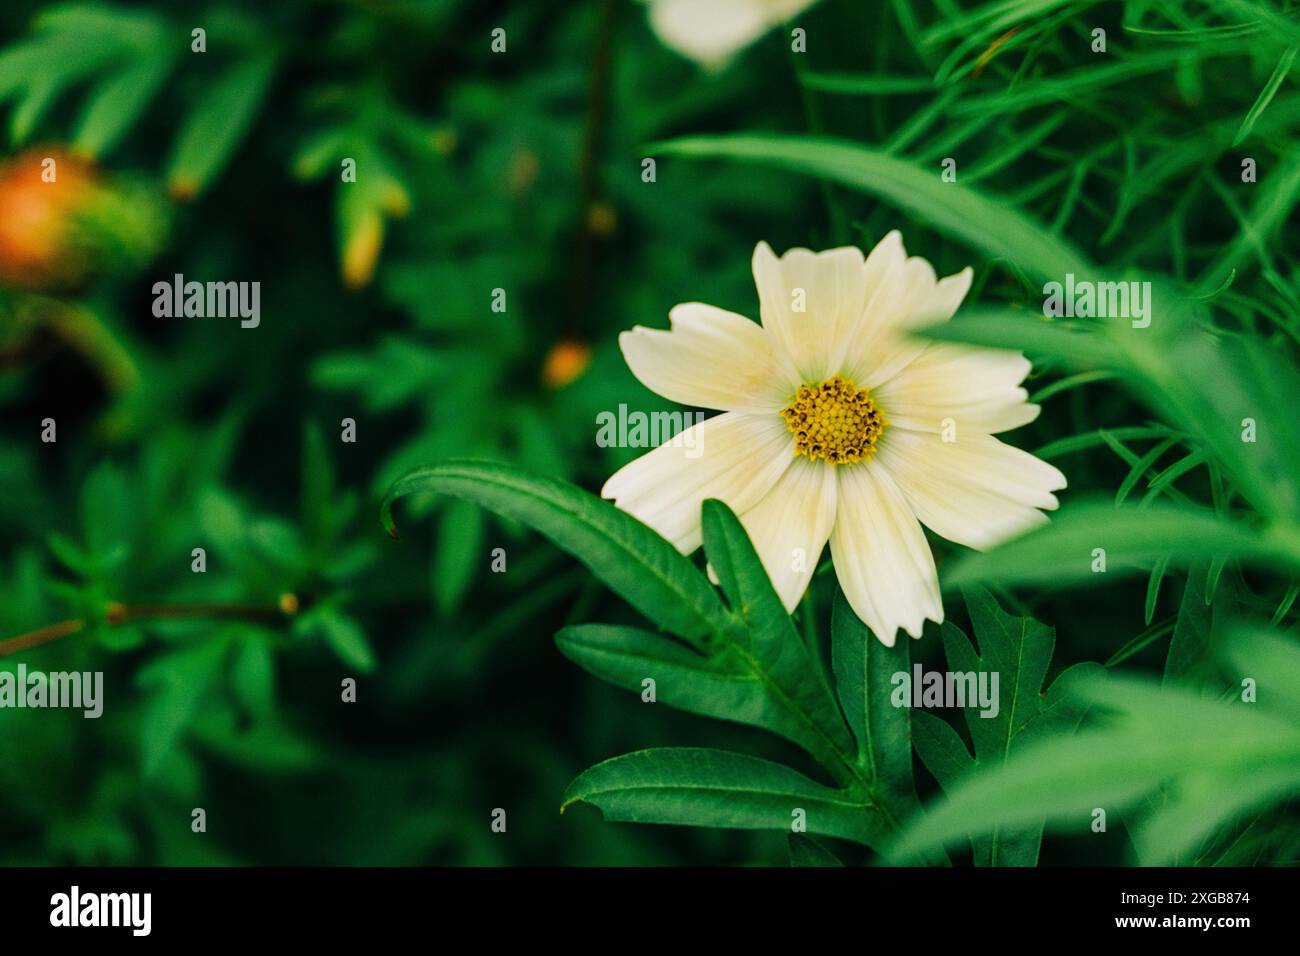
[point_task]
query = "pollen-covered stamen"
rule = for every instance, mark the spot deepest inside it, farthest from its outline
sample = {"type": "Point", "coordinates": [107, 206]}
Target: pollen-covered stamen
{"type": "Point", "coordinates": [835, 422]}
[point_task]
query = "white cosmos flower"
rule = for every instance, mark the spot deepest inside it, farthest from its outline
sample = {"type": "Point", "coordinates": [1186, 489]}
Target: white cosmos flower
{"type": "Point", "coordinates": [713, 31]}
{"type": "Point", "coordinates": [837, 425]}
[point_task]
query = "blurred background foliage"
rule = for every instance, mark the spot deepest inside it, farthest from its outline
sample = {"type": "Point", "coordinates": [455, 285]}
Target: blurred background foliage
{"type": "Point", "coordinates": [521, 171]}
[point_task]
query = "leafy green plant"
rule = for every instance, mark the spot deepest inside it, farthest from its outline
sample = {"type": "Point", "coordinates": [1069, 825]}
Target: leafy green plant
{"type": "Point", "coordinates": [1189, 766]}
{"type": "Point", "coordinates": [1019, 650]}
{"type": "Point", "coordinates": [524, 172]}
{"type": "Point", "coordinates": [742, 661]}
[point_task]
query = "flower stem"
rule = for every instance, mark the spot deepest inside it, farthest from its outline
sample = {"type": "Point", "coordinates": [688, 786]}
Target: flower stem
{"type": "Point", "coordinates": [116, 614]}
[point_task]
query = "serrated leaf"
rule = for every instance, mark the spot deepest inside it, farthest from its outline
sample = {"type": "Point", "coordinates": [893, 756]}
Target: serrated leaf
{"type": "Point", "coordinates": [864, 670]}
{"type": "Point", "coordinates": [634, 561]}
{"type": "Point", "coordinates": [1019, 651]}
{"type": "Point", "coordinates": [719, 685]}
{"type": "Point", "coordinates": [770, 640]}
{"type": "Point", "coordinates": [695, 786]}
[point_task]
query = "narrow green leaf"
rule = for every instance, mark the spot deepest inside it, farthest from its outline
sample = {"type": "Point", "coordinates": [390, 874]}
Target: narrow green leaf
{"type": "Point", "coordinates": [346, 638]}
{"type": "Point", "coordinates": [1266, 94]}
{"type": "Point", "coordinates": [1153, 588]}
{"type": "Point", "coordinates": [634, 561]}
{"type": "Point", "coordinates": [459, 553]}
{"type": "Point", "coordinates": [118, 104]}
{"type": "Point", "coordinates": [1147, 736]}
{"type": "Point", "coordinates": [861, 84]}
{"type": "Point", "coordinates": [252, 676]}
{"type": "Point", "coordinates": [1191, 638]}
{"type": "Point", "coordinates": [1140, 468]}
{"type": "Point", "coordinates": [176, 682]}
{"type": "Point", "coordinates": [1079, 345]}
{"type": "Point", "coordinates": [1063, 550]}
{"type": "Point", "coordinates": [217, 125]}
{"type": "Point", "coordinates": [992, 226]}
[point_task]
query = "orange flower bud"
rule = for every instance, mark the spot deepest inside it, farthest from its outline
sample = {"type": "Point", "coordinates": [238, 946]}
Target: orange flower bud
{"type": "Point", "coordinates": [566, 360]}
{"type": "Point", "coordinates": [62, 222]}
{"type": "Point", "coordinates": [39, 192]}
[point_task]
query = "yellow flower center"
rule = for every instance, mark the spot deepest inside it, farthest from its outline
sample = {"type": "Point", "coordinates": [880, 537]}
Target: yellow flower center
{"type": "Point", "coordinates": [835, 422]}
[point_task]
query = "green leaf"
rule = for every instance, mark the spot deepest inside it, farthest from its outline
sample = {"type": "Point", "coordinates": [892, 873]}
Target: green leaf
{"type": "Point", "coordinates": [1191, 637]}
{"type": "Point", "coordinates": [1153, 588]}
{"type": "Point", "coordinates": [694, 786]}
{"type": "Point", "coordinates": [805, 851]}
{"type": "Point", "coordinates": [70, 554]}
{"type": "Point", "coordinates": [1252, 382]}
{"type": "Point", "coordinates": [860, 84]}
{"type": "Point", "coordinates": [317, 483]}
{"type": "Point", "coordinates": [1146, 737]}
{"type": "Point", "coordinates": [992, 226]}
{"type": "Point", "coordinates": [40, 96]}
{"type": "Point", "coordinates": [770, 641]}
{"type": "Point", "coordinates": [1077, 344]}
{"type": "Point", "coordinates": [457, 556]}
{"type": "Point", "coordinates": [1133, 538]}
{"type": "Point", "coordinates": [346, 638]}
{"type": "Point", "coordinates": [864, 670]}
{"type": "Point", "coordinates": [721, 685]}
{"type": "Point", "coordinates": [1167, 366]}
{"type": "Point", "coordinates": [118, 103]}
{"type": "Point", "coordinates": [1019, 651]}
{"type": "Point", "coordinates": [634, 561]}
{"type": "Point", "coordinates": [252, 676]}
{"type": "Point", "coordinates": [1266, 94]}
{"type": "Point", "coordinates": [217, 125]}
{"type": "Point", "coordinates": [1273, 660]}
{"type": "Point", "coordinates": [177, 682]}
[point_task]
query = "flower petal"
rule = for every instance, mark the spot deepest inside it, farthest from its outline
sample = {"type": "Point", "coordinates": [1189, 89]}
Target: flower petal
{"type": "Point", "coordinates": [709, 33]}
{"type": "Point", "coordinates": [734, 457]}
{"type": "Point", "coordinates": [882, 560]}
{"type": "Point", "coordinates": [811, 303]}
{"type": "Point", "coordinates": [979, 389]}
{"type": "Point", "coordinates": [976, 490]}
{"type": "Point", "coordinates": [711, 359]}
{"type": "Point", "coordinates": [907, 297]}
{"type": "Point", "coordinates": [789, 527]}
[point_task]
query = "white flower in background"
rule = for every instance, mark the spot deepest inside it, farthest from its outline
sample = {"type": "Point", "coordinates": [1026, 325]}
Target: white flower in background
{"type": "Point", "coordinates": [837, 425]}
{"type": "Point", "coordinates": [713, 31]}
